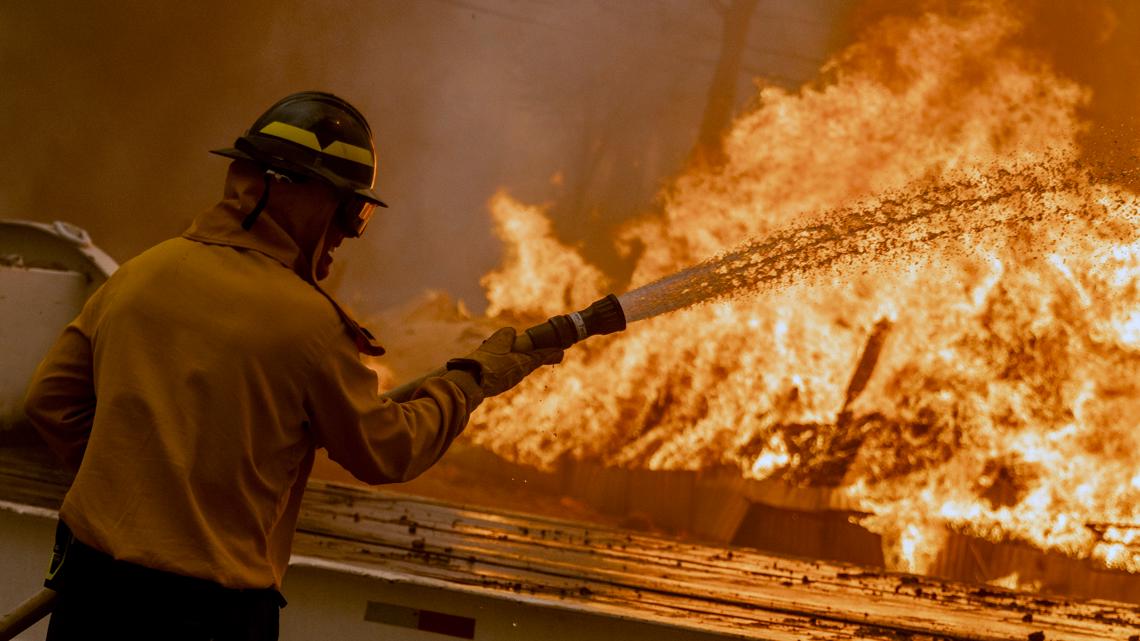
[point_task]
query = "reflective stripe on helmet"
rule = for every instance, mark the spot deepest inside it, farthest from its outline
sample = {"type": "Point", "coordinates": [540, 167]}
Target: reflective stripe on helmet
{"type": "Point", "coordinates": [306, 138]}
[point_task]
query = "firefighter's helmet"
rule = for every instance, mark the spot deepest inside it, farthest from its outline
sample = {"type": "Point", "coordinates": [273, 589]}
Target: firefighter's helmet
{"type": "Point", "coordinates": [317, 135]}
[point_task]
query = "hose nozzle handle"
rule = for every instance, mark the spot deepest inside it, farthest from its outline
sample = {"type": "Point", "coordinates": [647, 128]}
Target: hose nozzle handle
{"type": "Point", "coordinates": [603, 316]}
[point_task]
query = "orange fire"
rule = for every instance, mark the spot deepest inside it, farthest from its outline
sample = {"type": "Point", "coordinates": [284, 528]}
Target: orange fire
{"type": "Point", "coordinates": [1005, 396]}
{"type": "Point", "coordinates": [540, 276]}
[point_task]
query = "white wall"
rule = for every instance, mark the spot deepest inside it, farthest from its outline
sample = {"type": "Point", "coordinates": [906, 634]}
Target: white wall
{"type": "Point", "coordinates": [324, 604]}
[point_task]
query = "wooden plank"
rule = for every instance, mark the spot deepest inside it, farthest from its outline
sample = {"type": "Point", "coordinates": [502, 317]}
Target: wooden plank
{"type": "Point", "coordinates": [739, 592]}
{"type": "Point", "coordinates": [547, 557]}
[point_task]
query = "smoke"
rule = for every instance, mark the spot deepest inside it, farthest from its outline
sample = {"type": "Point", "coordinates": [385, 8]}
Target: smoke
{"type": "Point", "coordinates": [1094, 43]}
{"type": "Point", "coordinates": [108, 109]}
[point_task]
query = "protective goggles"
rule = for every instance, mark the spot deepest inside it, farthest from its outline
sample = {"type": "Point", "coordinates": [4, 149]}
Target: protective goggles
{"type": "Point", "coordinates": [353, 215]}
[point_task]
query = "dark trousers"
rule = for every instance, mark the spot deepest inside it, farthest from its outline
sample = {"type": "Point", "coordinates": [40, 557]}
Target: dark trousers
{"type": "Point", "coordinates": [101, 598]}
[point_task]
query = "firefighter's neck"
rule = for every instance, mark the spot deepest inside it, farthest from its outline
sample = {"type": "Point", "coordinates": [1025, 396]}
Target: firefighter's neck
{"type": "Point", "coordinates": [304, 212]}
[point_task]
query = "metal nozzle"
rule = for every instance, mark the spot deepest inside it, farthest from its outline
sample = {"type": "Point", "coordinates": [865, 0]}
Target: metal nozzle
{"type": "Point", "coordinates": [603, 316]}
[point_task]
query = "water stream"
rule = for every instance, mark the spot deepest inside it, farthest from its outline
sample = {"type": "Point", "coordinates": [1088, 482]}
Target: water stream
{"type": "Point", "coordinates": [893, 227]}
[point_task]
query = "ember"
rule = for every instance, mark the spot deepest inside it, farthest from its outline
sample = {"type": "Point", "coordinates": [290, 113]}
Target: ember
{"type": "Point", "coordinates": [927, 223]}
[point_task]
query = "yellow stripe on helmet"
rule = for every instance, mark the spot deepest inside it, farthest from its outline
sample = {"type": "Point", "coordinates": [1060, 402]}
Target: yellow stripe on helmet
{"type": "Point", "coordinates": [350, 152]}
{"type": "Point", "coordinates": [337, 148]}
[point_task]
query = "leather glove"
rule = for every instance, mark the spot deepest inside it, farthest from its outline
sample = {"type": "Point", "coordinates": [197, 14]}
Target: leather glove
{"type": "Point", "coordinates": [496, 368]}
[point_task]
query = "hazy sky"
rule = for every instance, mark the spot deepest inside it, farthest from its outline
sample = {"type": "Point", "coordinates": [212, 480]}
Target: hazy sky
{"type": "Point", "coordinates": [107, 110]}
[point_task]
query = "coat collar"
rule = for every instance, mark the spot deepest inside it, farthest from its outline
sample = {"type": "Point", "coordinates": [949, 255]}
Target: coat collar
{"type": "Point", "coordinates": [306, 214]}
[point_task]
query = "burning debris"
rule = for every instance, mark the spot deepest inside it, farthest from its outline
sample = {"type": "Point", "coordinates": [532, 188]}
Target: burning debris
{"type": "Point", "coordinates": [937, 312]}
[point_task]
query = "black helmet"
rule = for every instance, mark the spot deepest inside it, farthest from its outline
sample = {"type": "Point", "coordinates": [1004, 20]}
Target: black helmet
{"type": "Point", "coordinates": [314, 134]}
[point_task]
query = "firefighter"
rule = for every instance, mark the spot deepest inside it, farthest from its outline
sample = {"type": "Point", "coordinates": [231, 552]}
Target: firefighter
{"type": "Point", "coordinates": [194, 388]}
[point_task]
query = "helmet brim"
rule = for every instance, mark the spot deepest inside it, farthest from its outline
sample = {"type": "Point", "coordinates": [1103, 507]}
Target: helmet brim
{"type": "Point", "coordinates": [371, 196]}
{"type": "Point", "coordinates": [230, 152]}
{"type": "Point", "coordinates": [367, 194]}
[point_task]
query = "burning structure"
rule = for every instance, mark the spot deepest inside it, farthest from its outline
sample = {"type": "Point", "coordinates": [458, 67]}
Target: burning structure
{"type": "Point", "coordinates": [946, 338]}
{"type": "Point", "coordinates": [937, 347]}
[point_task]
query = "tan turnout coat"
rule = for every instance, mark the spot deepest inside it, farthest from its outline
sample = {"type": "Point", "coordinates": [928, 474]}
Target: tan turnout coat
{"type": "Point", "coordinates": [196, 384]}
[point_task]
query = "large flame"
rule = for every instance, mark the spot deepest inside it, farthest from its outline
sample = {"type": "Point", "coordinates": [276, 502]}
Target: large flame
{"type": "Point", "coordinates": [1005, 399]}
{"type": "Point", "coordinates": [539, 276]}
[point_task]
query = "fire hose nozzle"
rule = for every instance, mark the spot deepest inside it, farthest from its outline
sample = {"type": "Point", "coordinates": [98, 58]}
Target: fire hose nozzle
{"type": "Point", "coordinates": [603, 316]}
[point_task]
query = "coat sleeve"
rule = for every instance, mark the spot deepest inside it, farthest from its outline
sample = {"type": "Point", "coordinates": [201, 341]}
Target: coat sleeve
{"type": "Point", "coordinates": [60, 402]}
{"type": "Point", "coordinates": [377, 439]}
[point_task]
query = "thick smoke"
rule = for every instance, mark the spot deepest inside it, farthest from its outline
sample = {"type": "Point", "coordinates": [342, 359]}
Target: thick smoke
{"type": "Point", "coordinates": [107, 111]}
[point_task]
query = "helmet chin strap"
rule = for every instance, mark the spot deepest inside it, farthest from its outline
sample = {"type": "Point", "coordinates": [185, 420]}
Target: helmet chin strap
{"type": "Point", "coordinates": [319, 252]}
{"type": "Point", "coordinates": [251, 217]}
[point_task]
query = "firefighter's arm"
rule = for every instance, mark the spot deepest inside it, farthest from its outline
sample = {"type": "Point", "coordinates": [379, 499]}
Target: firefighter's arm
{"type": "Point", "coordinates": [377, 439]}
{"type": "Point", "coordinates": [61, 396]}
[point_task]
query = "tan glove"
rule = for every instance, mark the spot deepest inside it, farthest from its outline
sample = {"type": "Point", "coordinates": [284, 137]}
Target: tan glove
{"type": "Point", "coordinates": [496, 368]}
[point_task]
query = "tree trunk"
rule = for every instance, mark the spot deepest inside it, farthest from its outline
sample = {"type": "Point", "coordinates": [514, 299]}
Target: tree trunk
{"type": "Point", "coordinates": [709, 150]}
